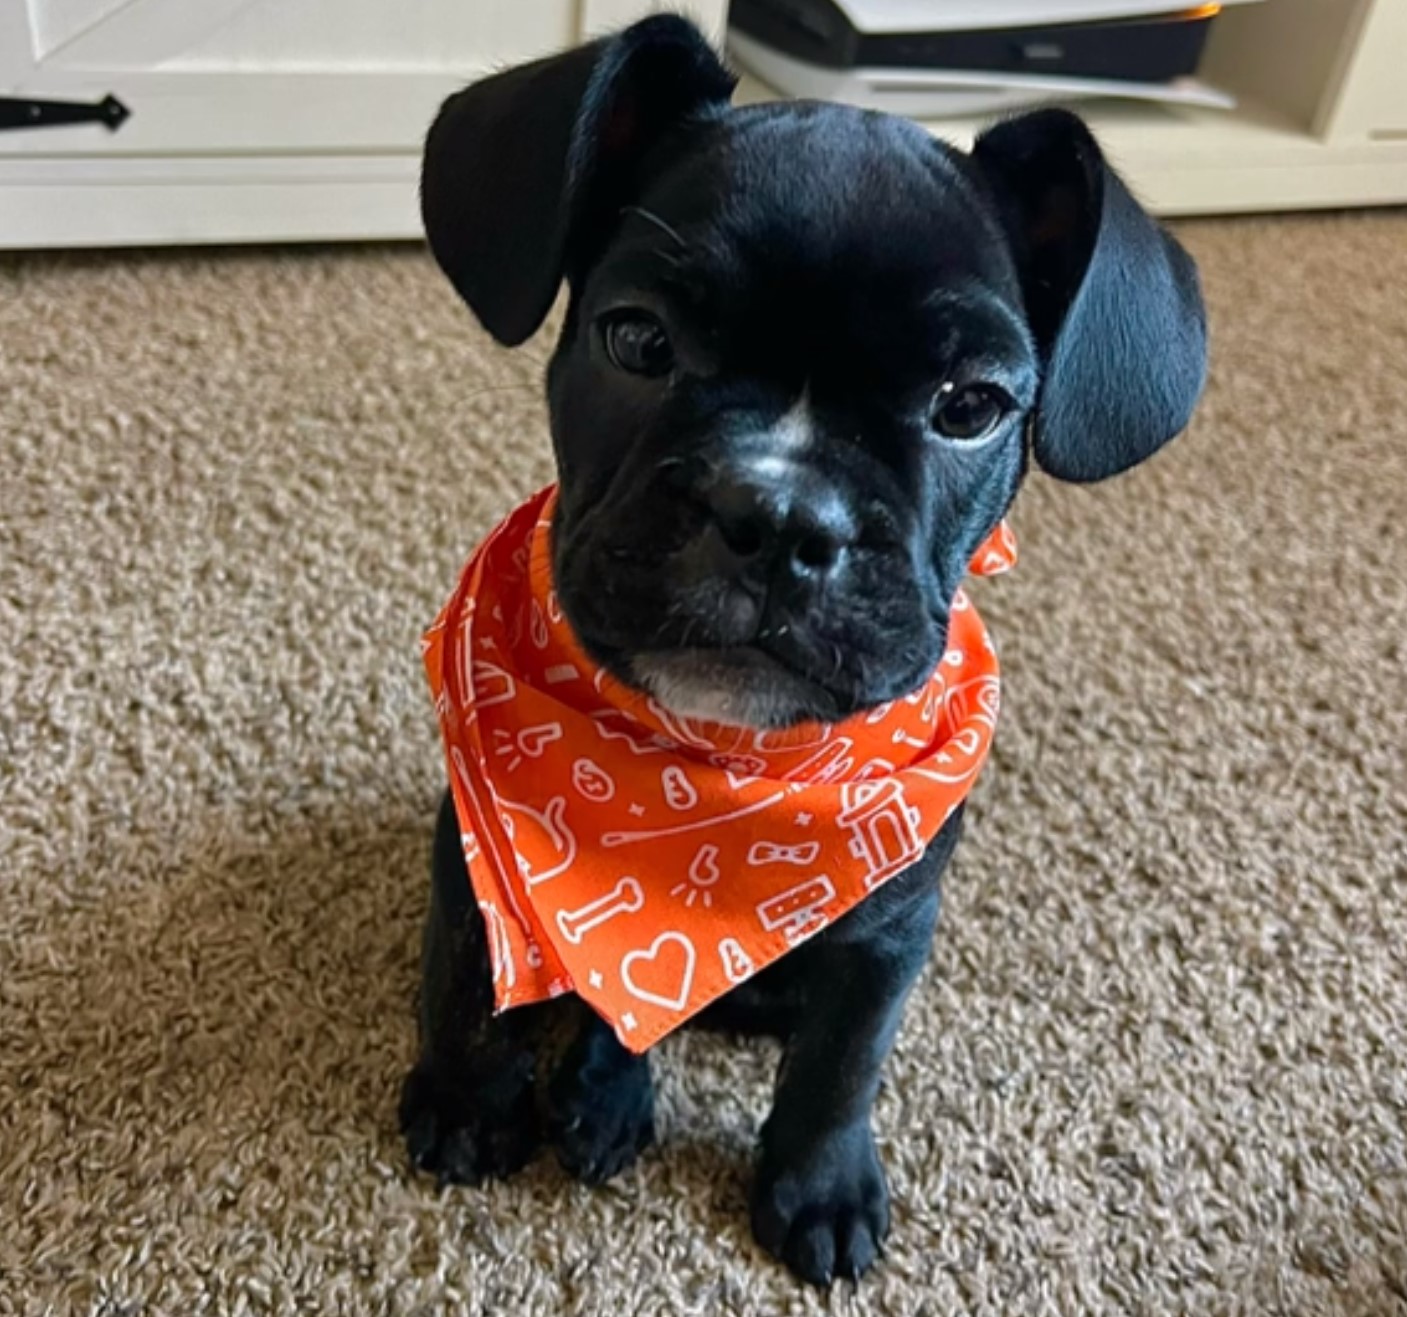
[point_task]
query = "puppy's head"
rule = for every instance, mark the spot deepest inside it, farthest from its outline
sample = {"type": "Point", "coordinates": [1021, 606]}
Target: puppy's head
{"type": "Point", "coordinates": [807, 353]}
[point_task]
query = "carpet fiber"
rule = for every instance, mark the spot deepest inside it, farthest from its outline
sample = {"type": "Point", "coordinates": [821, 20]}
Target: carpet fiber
{"type": "Point", "coordinates": [1156, 1066]}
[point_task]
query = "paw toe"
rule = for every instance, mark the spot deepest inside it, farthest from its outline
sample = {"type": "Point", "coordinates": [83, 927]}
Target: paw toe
{"type": "Point", "coordinates": [593, 1147]}
{"type": "Point", "coordinates": [599, 1126]}
{"type": "Point", "coordinates": [826, 1218]}
{"type": "Point", "coordinates": [460, 1140]}
{"type": "Point", "coordinates": [857, 1244]}
{"type": "Point", "coordinates": [810, 1251]}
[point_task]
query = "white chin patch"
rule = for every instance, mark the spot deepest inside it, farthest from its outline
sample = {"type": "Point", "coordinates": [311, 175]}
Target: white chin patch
{"type": "Point", "coordinates": [691, 689]}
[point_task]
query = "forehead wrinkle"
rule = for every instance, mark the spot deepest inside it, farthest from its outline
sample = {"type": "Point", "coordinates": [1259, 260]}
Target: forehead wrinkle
{"type": "Point", "coordinates": [981, 302]}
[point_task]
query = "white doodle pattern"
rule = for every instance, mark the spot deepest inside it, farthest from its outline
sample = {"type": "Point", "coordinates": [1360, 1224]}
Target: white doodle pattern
{"type": "Point", "coordinates": [653, 834]}
{"type": "Point", "coordinates": [537, 626]}
{"type": "Point", "coordinates": [623, 899]}
{"type": "Point", "coordinates": [775, 852]}
{"type": "Point", "coordinates": [736, 843]}
{"type": "Point", "coordinates": [882, 827]}
{"type": "Point", "coordinates": [652, 975]}
{"type": "Point", "coordinates": [704, 873]}
{"type": "Point", "coordinates": [679, 792]}
{"type": "Point", "coordinates": [592, 781]}
{"type": "Point", "coordinates": [799, 911]}
{"type": "Point", "coordinates": [529, 743]}
{"type": "Point", "coordinates": [737, 964]}
{"type": "Point", "coordinates": [552, 825]}
{"type": "Point", "coordinates": [828, 764]}
{"type": "Point", "coordinates": [500, 949]}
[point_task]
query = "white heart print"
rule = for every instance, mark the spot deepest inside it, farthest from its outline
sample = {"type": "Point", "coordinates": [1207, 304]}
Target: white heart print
{"type": "Point", "coordinates": [640, 959]}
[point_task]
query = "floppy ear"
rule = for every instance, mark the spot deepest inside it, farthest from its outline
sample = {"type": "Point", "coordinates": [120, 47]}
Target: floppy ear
{"type": "Point", "coordinates": [524, 169]}
{"type": "Point", "coordinates": [1111, 297]}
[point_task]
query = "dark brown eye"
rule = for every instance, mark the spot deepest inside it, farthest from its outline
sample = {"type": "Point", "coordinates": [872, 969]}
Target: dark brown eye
{"type": "Point", "coordinates": [969, 411]}
{"type": "Point", "coordinates": [636, 343]}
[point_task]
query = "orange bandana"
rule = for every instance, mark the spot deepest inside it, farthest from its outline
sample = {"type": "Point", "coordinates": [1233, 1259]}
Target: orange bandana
{"type": "Point", "coordinates": [649, 862]}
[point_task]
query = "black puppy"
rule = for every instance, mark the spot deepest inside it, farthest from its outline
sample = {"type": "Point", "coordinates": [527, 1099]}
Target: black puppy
{"type": "Point", "coordinates": [807, 353]}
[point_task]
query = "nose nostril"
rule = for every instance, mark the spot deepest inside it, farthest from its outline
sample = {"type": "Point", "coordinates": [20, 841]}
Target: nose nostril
{"type": "Point", "coordinates": [816, 553]}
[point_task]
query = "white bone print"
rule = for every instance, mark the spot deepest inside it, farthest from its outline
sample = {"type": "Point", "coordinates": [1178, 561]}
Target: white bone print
{"type": "Point", "coordinates": [623, 899]}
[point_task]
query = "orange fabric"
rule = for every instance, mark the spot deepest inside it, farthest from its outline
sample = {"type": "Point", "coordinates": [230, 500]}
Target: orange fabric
{"type": "Point", "coordinates": [650, 862]}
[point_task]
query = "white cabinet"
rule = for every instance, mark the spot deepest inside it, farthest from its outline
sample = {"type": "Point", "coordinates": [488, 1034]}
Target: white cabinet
{"type": "Point", "coordinates": [252, 119]}
{"type": "Point", "coordinates": [1371, 91]}
{"type": "Point", "coordinates": [302, 119]}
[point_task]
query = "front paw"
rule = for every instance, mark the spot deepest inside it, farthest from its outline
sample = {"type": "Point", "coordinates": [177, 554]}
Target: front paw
{"type": "Point", "coordinates": [822, 1206]}
{"type": "Point", "coordinates": [601, 1115]}
{"type": "Point", "coordinates": [465, 1131]}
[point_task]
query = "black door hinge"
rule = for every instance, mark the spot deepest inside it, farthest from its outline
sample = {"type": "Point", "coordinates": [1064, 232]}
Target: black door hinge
{"type": "Point", "coordinates": [25, 112]}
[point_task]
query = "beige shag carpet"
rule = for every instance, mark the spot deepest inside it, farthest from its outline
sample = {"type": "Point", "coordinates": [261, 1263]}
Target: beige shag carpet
{"type": "Point", "coordinates": [1158, 1065]}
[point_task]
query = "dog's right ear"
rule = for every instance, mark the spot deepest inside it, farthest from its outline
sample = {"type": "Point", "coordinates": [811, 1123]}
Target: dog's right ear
{"type": "Point", "coordinates": [524, 169]}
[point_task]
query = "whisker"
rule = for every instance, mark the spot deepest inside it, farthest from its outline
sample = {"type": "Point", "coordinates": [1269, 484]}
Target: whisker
{"type": "Point", "coordinates": [656, 221]}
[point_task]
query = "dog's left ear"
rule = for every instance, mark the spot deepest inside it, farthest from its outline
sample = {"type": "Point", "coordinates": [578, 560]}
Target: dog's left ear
{"type": "Point", "coordinates": [1112, 299]}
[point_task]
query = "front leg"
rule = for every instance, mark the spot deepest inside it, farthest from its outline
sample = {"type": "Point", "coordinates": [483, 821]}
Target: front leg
{"type": "Point", "coordinates": [819, 1202]}
{"type": "Point", "coordinates": [467, 1108]}
{"type": "Point", "coordinates": [600, 1104]}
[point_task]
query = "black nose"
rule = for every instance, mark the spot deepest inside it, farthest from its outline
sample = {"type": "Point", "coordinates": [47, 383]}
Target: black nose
{"type": "Point", "coordinates": [778, 515]}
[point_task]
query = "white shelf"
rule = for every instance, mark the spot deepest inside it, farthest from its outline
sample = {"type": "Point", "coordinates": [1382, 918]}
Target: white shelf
{"type": "Point", "coordinates": [1184, 160]}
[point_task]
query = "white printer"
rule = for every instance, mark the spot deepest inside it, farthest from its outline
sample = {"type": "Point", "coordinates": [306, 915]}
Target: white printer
{"type": "Point", "coordinates": [942, 57]}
